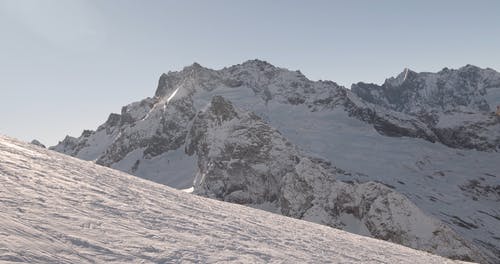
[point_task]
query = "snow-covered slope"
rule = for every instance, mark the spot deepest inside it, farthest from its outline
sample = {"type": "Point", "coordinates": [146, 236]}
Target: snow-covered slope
{"type": "Point", "coordinates": [369, 141]}
{"type": "Point", "coordinates": [57, 209]}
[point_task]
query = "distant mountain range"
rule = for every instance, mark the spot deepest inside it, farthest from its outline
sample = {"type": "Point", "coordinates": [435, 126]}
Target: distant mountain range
{"type": "Point", "coordinates": [414, 161]}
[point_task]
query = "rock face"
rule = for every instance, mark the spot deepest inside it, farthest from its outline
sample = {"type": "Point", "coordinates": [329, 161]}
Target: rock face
{"type": "Point", "coordinates": [447, 90]}
{"type": "Point", "coordinates": [457, 105]}
{"type": "Point", "coordinates": [243, 160]}
{"type": "Point", "coordinates": [431, 157]}
{"type": "Point", "coordinates": [37, 143]}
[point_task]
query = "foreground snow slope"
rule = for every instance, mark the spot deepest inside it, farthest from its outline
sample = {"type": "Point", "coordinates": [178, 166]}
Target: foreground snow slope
{"type": "Point", "coordinates": [58, 209]}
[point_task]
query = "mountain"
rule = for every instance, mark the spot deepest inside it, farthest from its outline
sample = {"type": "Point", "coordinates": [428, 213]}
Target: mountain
{"type": "Point", "coordinates": [58, 209]}
{"type": "Point", "coordinates": [469, 87]}
{"type": "Point", "coordinates": [37, 143]}
{"type": "Point", "coordinates": [146, 139]}
{"type": "Point", "coordinates": [243, 160]}
{"type": "Point", "coordinates": [457, 184]}
{"type": "Point", "coordinates": [457, 105]}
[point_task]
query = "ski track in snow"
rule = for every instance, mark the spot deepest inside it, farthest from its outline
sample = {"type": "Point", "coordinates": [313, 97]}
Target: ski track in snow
{"type": "Point", "coordinates": [58, 209]}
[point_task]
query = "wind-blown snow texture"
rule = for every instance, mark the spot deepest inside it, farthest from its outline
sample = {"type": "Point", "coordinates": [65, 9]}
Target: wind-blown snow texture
{"type": "Point", "coordinates": [58, 209]}
{"type": "Point", "coordinates": [443, 159]}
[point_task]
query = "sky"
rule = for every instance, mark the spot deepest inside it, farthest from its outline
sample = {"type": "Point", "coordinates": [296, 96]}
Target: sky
{"type": "Point", "coordinates": [66, 64]}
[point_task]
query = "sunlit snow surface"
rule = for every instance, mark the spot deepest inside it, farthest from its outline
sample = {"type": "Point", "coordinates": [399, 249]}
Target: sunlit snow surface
{"type": "Point", "coordinates": [58, 209]}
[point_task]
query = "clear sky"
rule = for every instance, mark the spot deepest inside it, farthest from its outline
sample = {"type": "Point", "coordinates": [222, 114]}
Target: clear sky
{"type": "Point", "coordinates": [65, 65]}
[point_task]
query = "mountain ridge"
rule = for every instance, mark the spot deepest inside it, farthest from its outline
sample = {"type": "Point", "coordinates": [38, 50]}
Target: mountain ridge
{"type": "Point", "coordinates": [369, 141]}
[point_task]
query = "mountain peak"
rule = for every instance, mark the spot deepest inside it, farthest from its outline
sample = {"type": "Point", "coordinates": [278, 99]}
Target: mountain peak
{"type": "Point", "coordinates": [193, 67]}
{"type": "Point", "coordinates": [168, 80]}
{"type": "Point", "coordinates": [469, 67]}
{"type": "Point", "coordinates": [162, 85]}
{"type": "Point", "coordinates": [37, 143]}
{"type": "Point", "coordinates": [258, 64]}
{"type": "Point", "coordinates": [406, 74]}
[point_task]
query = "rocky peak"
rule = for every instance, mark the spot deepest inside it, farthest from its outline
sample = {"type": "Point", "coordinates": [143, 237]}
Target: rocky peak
{"type": "Point", "coordinates": [165, 84]}
{"type": "Point", "coordinates": [37, 143]}
{"type": "Point", "coordinates": [68, 145]}
{"type": "Point", "coordinates": [189, 76]}
{"type": "Point", "coordinates": [446, 90]}
{"type": "Point", "coordinates": [251, 69]}
{"type": "Point", "coordinates": [195, 66]}
{"type": "Point", "coordinates": [405, 75]}
{"type": "Point", "coordinates": [256, 63]}
{"type": "Point", "coordinates": [469, 68]}
{"type": "Point", "coordinates": [195, 70]}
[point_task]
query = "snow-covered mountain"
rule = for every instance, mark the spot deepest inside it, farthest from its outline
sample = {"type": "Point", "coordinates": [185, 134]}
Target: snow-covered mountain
{"type": "Point", "coordinates": [455, 182]}
{"type": "Point", "coordinates": [469, 87]}
{"type": "Point", "coordinates": [457, 105]}
{"type": "Point", "coordinates": [149, 131]}
{"type": "Point", "coordinates": [243, 160]}
{"type": "Point", "coordinates": [58, 209]}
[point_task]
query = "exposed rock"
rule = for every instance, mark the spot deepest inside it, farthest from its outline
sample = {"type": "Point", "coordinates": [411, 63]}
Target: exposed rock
{"type": "Point", "coordinates": [37, 143]}
{"type": "Point", "coordinates": [243, 160]}
{"type": "Point", "coordinates": [442, 96]}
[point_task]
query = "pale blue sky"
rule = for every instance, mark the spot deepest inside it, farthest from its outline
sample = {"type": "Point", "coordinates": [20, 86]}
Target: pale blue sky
{"type": "Point", "coordinates": [65, 65]}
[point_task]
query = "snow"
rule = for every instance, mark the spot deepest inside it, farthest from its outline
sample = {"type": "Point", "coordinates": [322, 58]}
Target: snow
{"type": "Point", "coordinates": [100, 141]}
{"type": "Point", "coordinates": [173, 94]}
{"type": "Point", "coordinates": [173, 168]}
{"type": "Point", "coordinates": [58, 209]}
{"type": "Point", "coordinates": [188, 190]}
{"type": "Point", "coordinates": [353, 225]}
